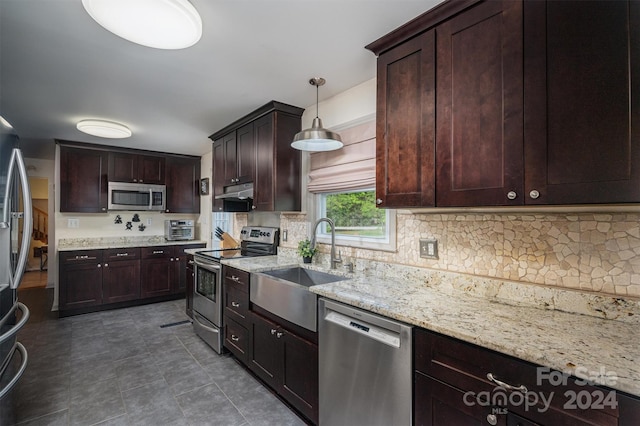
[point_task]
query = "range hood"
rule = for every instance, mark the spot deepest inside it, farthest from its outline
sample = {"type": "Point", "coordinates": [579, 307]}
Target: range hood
{"type": "Point", "coordinates": [237, 192]}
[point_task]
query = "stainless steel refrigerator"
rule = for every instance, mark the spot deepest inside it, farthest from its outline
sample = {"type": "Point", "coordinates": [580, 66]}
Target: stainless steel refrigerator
{"type": "Point", "coordinates": [16, 225]}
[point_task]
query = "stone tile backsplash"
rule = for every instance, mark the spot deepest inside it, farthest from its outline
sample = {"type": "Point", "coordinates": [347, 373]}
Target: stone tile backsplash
{"type": "Point", "coordinates": [583, 251]}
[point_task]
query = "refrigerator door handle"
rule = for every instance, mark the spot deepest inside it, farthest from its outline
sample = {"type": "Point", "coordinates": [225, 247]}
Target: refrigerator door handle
{"type": "Point", "coordinates": [17, 165]}
{"type": "Point", "coordinates": [17, 347]}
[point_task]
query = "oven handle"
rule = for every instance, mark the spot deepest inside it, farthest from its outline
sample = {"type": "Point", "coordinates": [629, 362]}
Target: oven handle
{"type": "Point", "coordinates": [17, 347]}
{"type": "Point", "coordinates": [206, 265]}
{"type": "Point", "coordinates": [206, 327]}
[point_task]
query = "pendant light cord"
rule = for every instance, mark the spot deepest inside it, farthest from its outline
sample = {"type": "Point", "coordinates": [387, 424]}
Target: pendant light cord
{"type": "Point", "coordinates": [317, 107]}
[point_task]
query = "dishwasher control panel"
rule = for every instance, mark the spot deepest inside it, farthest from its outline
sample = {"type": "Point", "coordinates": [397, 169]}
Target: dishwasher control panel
{"type": "Point", "coordinates": [380, 334]}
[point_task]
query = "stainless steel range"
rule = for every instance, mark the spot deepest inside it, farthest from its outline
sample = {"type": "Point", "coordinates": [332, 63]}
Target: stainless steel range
{"type": "Point", "coordinates": [207, 297]}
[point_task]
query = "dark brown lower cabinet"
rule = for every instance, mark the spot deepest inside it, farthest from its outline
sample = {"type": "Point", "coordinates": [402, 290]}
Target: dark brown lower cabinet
{"type": "Point", "coordinates": [188, 283]}
{"type": "Point", "coordinates": [91, 280]}
{"type": "Point", "coordinates": [121, 275]}
{"type": "Point", "coordinates": [452, 386]}
{"type": "Point", "coordinates": [287, 362]}
{"type": "Point", "coordinates": [80, 279]}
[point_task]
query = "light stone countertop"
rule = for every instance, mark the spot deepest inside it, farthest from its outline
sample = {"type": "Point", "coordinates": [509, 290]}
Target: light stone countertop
{"type": "Point", "coordinates": [568, 342]}
{"type": "Point", "coordinates": [124, 242]}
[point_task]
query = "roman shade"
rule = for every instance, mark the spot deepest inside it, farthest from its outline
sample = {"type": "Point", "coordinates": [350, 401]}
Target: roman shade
{"type": "Point", "coordinates": [352, 167]}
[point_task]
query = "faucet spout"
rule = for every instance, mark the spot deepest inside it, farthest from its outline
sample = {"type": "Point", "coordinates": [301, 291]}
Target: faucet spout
{"type": "Point", "coordinates": [334, 260]}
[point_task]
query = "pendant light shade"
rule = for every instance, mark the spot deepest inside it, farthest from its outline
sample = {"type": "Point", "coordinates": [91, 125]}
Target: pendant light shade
{"type": "Point", "coordinates": [316, 138]}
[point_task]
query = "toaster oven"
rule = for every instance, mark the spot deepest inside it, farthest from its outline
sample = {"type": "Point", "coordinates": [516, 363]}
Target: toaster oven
{"type": "Point", "coordinates": [179, 230]}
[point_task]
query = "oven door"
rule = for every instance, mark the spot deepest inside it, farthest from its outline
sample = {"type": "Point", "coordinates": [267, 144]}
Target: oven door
{"type": "Point", "coordinates": [207, 294]}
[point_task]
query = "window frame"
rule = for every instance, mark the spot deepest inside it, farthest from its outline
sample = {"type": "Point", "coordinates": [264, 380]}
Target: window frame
{"type": "Point", "coordinates": [388, 243]}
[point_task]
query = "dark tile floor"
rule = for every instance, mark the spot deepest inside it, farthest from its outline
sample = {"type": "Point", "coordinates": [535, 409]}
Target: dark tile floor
{"type": "Point", "coordinates": [120, 368]}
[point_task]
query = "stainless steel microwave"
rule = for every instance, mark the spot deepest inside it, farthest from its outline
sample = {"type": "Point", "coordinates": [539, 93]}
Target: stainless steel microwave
{"type": "Point", "coordinates": [137, 196]}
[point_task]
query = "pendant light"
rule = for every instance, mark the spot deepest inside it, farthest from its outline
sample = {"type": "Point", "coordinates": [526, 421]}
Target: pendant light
{"type": "Point", "coordinates": [316, 138]}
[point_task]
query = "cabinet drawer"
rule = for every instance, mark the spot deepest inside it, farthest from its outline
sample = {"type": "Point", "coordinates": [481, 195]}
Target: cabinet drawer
{"type": "Point", "coordinates": [236, 278]}
{"type": "Point", "coordinates": [80, 256]}
{"type": "Point", "coordinates": [236, 303]}
{"type": "Point", "coordinates": [121, 254]}
{"type": "Point", "coordinates": [156, 251]}
{"type": "Point", "coordinates": [465, 366]}
{"type": "Point", "coordinates": [236, 339]}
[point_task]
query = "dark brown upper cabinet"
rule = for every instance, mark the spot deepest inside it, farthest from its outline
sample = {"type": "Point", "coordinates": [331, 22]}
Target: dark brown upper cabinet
{"type": "Point", "coordinates": [405, 127]}
{"type": "Point", "coordinates": [582, 101]}
{"type": "Point", "coordinates": [479, 106]}
{"type": "Point", "coordinates": [535, 103]}
{"type": "Point", "coordinates": [83, 180]}
{"type": "Point", "coordinates": [125, 167]}
{"type": "Point", "coordinates": [257, 148]}
{"type": "Point", "coordinates": [183, 185]}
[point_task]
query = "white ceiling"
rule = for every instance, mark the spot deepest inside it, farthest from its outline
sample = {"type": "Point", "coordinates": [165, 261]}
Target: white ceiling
{"type": "Point", "coordinates": [58, 66]}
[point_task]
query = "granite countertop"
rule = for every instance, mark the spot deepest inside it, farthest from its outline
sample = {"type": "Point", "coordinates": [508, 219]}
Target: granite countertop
{"type": "Point", "coordinates": [567, 342]}
{"type": "Point", "coordinates": [109, 243]}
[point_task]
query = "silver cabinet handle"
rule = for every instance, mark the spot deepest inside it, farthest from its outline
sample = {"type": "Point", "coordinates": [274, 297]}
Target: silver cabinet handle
{"type": "Point", "coordinates": [191, 262]}
{"type": "Point", "coordinates": [492, 378]}
{"type": "Point", "coordinates": [122, 254]}
{"type": "Point", "coordinates": [378, 201]}
{"type": "Point", "coordinates": [158, 251]}
{"type": "Point", "coordinates": [234, 278]}
{"type": "Point", "coordinates": [534, 194]}
{"type": "Point", "coordinates": [234, 338]}
{"type": "Point", "coordinates": [492, 419]}
{"type": "Point", "coordinates": [235, 304]}
{"type": "Point", "coordinates": [99, 265]}
{"type": "Point", "coordinates": [103, 209]}
{"type": "Point", "coordinates": [273, 331]}
{"type": "Point", "coordinates": [106, 265]}
{"type": "Point", "coordinates": [279, 334]}
{"type": "Point", "coordinates": [512, 195]}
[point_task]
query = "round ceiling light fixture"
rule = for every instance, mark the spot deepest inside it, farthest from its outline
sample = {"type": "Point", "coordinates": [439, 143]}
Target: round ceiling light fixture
{"type": "Point", "coordinates": [104, 129]}
{"type": "Point", "coordinates": [161, 24]}
{"type": "Point", "coordinates": [317, 138]}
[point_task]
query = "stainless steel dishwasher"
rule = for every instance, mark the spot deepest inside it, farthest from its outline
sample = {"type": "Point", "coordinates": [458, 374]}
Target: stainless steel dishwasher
{"type": "Point", "coordinates": [365, 367]}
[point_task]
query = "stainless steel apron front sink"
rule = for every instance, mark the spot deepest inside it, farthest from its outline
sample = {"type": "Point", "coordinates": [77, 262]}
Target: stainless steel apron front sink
{"type": "Point", "coordinates": [285, 292]}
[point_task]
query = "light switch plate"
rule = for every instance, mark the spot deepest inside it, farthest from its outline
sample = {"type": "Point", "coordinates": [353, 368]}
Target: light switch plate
{"type": "Point", "coordinates": [429, 248]}
{"type": "Point", "coordinates": [73, 223]}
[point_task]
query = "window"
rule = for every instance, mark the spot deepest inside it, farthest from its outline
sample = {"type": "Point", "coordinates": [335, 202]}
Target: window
{"type": "Point", "coordinates": [343, 182]}
{"type": "Point", "coordinates": [358, 223]}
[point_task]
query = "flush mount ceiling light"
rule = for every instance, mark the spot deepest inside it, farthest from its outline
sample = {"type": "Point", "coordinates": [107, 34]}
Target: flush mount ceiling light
{"type": "Point", "coordinates": [162, 24]}
{"type": "Point", "coordinates": [316, 138]}
{"type": "Point", "coordinates": [104, 129]}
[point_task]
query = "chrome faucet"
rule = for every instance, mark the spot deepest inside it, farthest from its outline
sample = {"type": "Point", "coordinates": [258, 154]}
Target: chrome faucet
{"type": "Point", "coordinates": [334, 260]}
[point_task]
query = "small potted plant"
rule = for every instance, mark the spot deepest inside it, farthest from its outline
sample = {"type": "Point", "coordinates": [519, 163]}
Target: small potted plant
{"type": "Point", "coordinates": [306, 251]}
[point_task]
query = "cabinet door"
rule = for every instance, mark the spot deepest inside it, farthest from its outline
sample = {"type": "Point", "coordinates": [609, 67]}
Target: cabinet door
{"type": "Point", "coordinates": [189, 288]}
{"type": "Point", "coordinates": [300, 375]}
{"type": "Point", "coordinates": [263, 187]}
{"type": "Point", "coordinates": [245, 154]}
{"type": "Point", "coordinates": [265, 351]}
{"type": "Point", "coordinates": [218, 174]}
{"type": "Point", "coordinates": [151, 169]}
{"type": "Point", "coordinates": [156, 277]}
{"type": "Point", "coordinates": [230, 166]}
{"type": "Point", "coordinates": [83, 180]}
{"type": "Point", "coordinates": [479, 141]}
{"type": "Point", "coordinates": [183, 185]}
{"type": "Point", "coordinates": [123, 167]}
{"type": "Point", "coordinates": [438, 404]}
{"type": "Point", "coordinates": [80, 285]}
{"type": "Point", "coordinates": [405, 127]}
{"type": "Point", "coordinates": [120, 281]}
{"type": "Point", "coordinates": [582, 79]}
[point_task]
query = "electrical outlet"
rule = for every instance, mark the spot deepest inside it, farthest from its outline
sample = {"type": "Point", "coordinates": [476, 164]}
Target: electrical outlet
{"type": "Point", "coordinates": [73, 223]}
{"type": "Point", "coordinates": [285, 235]}
{"type": "Point", "coordinates": [149, 221]}
{"type": "Point", "coordinates": [429, 249]}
